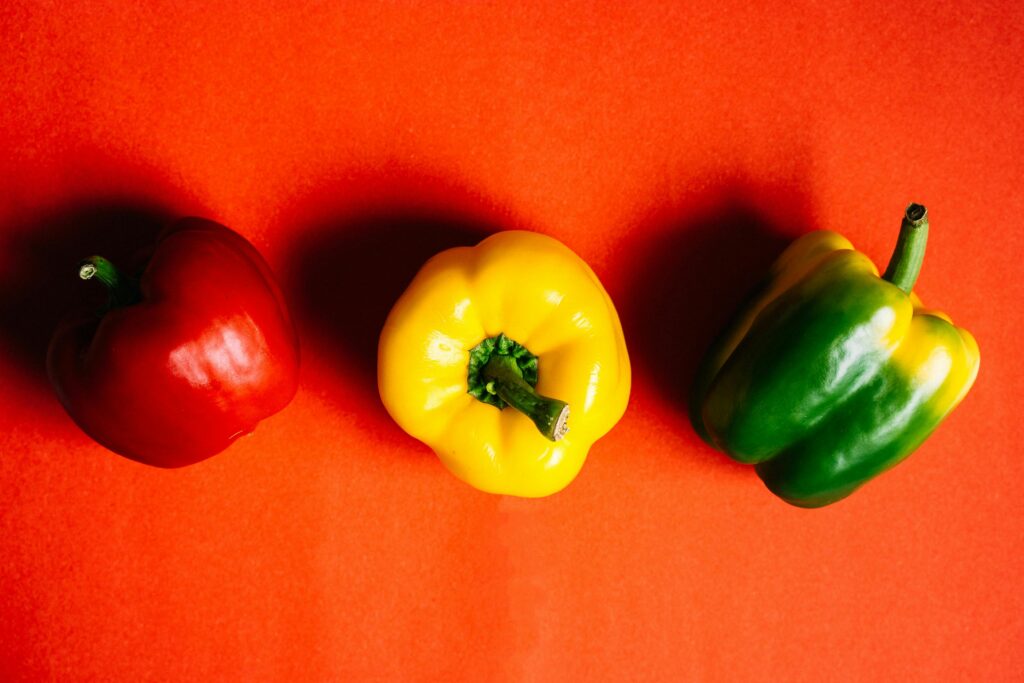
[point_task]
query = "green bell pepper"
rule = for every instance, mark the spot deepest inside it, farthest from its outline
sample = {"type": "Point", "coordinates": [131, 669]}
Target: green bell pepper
{"type": "Point", "coordinates": [831, 374]}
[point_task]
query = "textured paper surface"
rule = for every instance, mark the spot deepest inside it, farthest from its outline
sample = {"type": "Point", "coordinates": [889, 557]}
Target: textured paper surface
{"type": "Point", "coordinates": [677, 150]}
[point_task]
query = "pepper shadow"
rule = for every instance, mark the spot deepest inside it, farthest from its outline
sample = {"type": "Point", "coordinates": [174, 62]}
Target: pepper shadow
{"type": "Point", "coordinates": [695, 267]}
{"type": "Point", "coordinates": [39, 284]}
{"type": "Point", "coordinates": [350, 264]}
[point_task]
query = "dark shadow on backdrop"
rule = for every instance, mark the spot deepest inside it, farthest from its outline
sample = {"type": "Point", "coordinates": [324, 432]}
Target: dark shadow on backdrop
{"type": "Point", "coordinates": [39, 282]}
{"type": "Point", "coordinates": [349, 264]}
{"type": "Point", "coordinates": [693, 269]}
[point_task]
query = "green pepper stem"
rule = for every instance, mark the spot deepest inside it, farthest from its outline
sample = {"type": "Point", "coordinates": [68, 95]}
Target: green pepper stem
{"type": "Point", "coordinates": [905, 264]}
{"type": "Point", "coordinates": [123, 290]}
{"type": "Point", "coordinates": [504, 378]}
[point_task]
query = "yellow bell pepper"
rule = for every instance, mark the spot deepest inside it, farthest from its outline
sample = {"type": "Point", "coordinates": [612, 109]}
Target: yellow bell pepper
{"type": "Point", "coordinates": [480, 340]}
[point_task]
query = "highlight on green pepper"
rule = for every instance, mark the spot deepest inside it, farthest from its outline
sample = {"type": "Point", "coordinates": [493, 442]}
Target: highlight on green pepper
{"type": "Point", "coordinates": [830, 374]}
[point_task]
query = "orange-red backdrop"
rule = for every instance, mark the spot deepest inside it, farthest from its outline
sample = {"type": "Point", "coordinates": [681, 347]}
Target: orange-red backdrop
{"type": "Point", "coordinates": [674, 148]}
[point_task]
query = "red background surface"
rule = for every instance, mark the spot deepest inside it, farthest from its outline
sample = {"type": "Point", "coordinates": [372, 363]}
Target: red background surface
{"type": "Point", "coordinates": [677, 150]}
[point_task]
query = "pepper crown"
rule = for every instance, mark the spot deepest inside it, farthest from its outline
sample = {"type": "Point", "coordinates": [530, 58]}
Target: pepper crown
{"type": "Point", "coordinates": [503, 372]}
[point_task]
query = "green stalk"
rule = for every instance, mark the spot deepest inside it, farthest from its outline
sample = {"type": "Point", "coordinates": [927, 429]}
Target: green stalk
{"type": "Point", "coordinates": [122, 289]}
{"type": "Point", "coordinates": [504, 379]}
{"type": "Point", "coordinates": [905, 264]}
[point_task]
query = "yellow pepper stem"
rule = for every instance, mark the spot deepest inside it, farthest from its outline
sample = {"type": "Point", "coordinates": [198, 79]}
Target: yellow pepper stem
{"type": "Point", "coordinates": [504, 379]}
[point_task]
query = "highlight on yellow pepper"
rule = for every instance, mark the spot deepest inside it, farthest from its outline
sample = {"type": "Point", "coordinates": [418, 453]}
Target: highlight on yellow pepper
{"type": "Point", "coordinates": [508, 360]}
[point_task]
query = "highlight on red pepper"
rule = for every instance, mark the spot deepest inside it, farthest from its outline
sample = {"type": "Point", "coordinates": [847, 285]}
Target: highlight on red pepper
{"type": "Point", "coordinates": [831, 374]}
{"type": "Point", "coordinates": [508, 360]}
{"type": "Point", "coordinates": [186, 357]}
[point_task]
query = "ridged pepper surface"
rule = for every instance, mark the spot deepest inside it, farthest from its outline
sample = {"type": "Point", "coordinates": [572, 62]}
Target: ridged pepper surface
{"type": "Point", "coordinates": [480, 340]}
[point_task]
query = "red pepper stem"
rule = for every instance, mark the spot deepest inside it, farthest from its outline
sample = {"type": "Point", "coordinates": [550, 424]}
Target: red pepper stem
{"type": "Point", "coordinates": [123, 290]}
{"type": "Point", "coordinates": [504, 378]}
{"type": "Point", "coordinates": [905, 264]}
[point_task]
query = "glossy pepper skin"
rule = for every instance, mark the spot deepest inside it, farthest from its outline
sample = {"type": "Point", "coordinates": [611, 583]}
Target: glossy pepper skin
{"type": "Point", "coordinates": [831, 374]}
{"type": "Point", "coordinates": [517, 309]}
{"type": "Point", "coordinates": [185, 359]}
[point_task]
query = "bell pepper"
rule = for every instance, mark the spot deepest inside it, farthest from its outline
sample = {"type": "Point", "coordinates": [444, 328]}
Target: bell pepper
{"type": "Point", "coordinates": [508, 360]}
{"type": "Point", "coordinates": [184, 359]}
{"type": "Point", "coordinates": [830, 374]}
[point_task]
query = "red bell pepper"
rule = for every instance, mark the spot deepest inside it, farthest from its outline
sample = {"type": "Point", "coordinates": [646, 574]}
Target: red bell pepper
{"type": "Point", "coordinates": [184, 359]}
